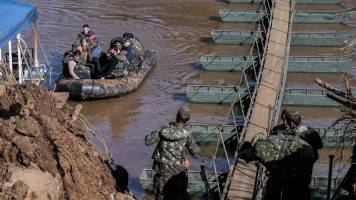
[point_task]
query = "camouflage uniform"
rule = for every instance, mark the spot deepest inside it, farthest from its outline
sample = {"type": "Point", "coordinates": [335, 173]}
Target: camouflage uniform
{"type": "Point", "coordinates": [282, 130]}
{"type": "Point", "coordinates": [289, 161]}
{"type": "Point", "coordinates": [80, 69]}
{"type": "Point", "coordinates": [137, 47]}
{"type": "Point", "coordinates": [120, 68]}
{"type": "Point", "coordinates": [169, 154]}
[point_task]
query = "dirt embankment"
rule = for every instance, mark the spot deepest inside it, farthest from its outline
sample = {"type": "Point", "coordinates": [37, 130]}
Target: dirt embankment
{"type": "Point", "coordinates": [43, 153]}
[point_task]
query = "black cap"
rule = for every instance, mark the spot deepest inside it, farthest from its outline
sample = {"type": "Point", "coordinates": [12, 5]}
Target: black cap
{"type": "Point", "coordinates": [128, 35]}
{"type": "Point", "coordinates": [115, 40]}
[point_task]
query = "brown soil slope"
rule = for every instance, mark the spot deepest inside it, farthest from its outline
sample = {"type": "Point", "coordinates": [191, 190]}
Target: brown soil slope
{"type": "Point", "coordinates": [43, 153]}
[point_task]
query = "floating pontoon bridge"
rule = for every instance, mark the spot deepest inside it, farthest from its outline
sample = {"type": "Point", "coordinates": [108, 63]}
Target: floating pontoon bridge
{"type": "Point", "coordinates": [256, 100]}
{"type": "Point", "coordinates": [300, 64]}
{"type": "Point", "coordinates": [297, 38]}
{"type": "Point", "coordinates": [320, 17]}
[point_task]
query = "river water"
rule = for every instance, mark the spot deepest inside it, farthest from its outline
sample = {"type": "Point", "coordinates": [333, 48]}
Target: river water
{"type": "Point", "coordinates": [178, 31]}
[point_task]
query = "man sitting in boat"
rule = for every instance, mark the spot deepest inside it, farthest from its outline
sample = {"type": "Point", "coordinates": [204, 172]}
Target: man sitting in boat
{"type": "Point", "coordinates": [135, 43]}
{"type": "Point", "coordinates": [74, 63]}
{"type": "Point", "coordinates": [135, 61]}
{"type": "Point", "coordinates": [85, 34]}
{"type": "Point", "coordinates": [96, 52]}
{"type": "Point", "coordinates": [116, 62]}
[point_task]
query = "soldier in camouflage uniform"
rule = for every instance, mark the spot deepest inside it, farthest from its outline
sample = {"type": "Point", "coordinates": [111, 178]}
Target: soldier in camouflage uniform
{"type": "Point", "coordinates": [117, 62]}
{"type": "Point", "coordinates": [289, 160]}
{"type": "Point", "coordinates": [136, 44]}
{"type": "Point", "coordinates": [169, 156]}
{"type": "Point", "coordinates": [74, 64]}
{"type": "Point", "coordinates": [291, 124]}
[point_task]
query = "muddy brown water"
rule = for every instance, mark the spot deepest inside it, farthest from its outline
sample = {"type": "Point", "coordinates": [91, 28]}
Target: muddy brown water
{"type": "Point", "coordinates": [178, 31]}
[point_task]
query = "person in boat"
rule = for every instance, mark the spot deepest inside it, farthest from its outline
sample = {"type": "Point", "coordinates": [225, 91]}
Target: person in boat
{"type": "Point", "coordinates": [74, 65]}
{"type": "Point", "coordinates": [95, 52]}
{"type": "Point", "coordinates": [116, 63]}
{"type": "Point", "coordinates": [135, 43]}
{"type": "Point", "coordinates": [289, 158]}
{"type": "Point", "coordinates": [169, 155]}
{"type": "Point", "coordinates": [85, 34]}
{"type": "Point", "coordinates": [135, 61]}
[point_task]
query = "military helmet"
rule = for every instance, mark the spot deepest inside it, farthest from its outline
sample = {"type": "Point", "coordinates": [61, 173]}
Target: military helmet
{"type": "Point", "coordinates": [183, 114]}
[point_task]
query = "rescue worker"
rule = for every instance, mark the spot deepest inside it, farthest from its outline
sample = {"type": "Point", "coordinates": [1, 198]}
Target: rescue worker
{"type": "Point", "coordinates": [169, 156]}
{"type": "Point", "coordinates": [116, 64]}
{"type": "Point", "coordinates": [74, 64]}
{"type": "Point", "coordinates": [85, 34]}
{"type": "Point", "coordinates": [289, 160]}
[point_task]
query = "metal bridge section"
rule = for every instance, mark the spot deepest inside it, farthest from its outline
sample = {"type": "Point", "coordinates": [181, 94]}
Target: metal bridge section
{"type": "Point", "coordinates": [256, 100]}
{"type": "Point", "coordinates": [265, 103]}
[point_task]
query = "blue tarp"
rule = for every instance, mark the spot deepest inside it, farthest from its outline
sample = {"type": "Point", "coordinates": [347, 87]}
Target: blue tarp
{"type": "Point", "coordinates": [14, 18]}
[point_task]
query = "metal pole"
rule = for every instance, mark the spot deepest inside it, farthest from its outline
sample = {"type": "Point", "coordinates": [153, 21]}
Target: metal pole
{"type": "Point", "coordinates": [10, 56]}
{"type": "Point", "coordinates": [0, 55]}
{"type": "Point", "coordinates": [331, 161]}
{"type": "Point", "coordinates": [35, 43]}
{"type": "Point", "coordinates": [255, 188]}
{"type": "Point", "coordinates": [19, 59]}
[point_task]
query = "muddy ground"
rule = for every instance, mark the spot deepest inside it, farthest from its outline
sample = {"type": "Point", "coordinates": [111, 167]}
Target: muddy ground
{"type": "Point", "coordinates": [44, 153]}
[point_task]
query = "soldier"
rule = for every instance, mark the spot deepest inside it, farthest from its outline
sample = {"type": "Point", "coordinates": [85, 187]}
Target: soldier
{"type": "Point", "coordinates": [74, 63]}
{"type": "Point", "coordinates": [169, 155]}
{"type": "Point", "coordinates": [85, 34]}
{"type": "Point", "coordinates": [117, 63]}
{"type": "Point", "coordinates": [289, 160]}
{"type": "Point", "coordinates": [291, 124]}
{"type": "Point", "coordinates": [136, 44]}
